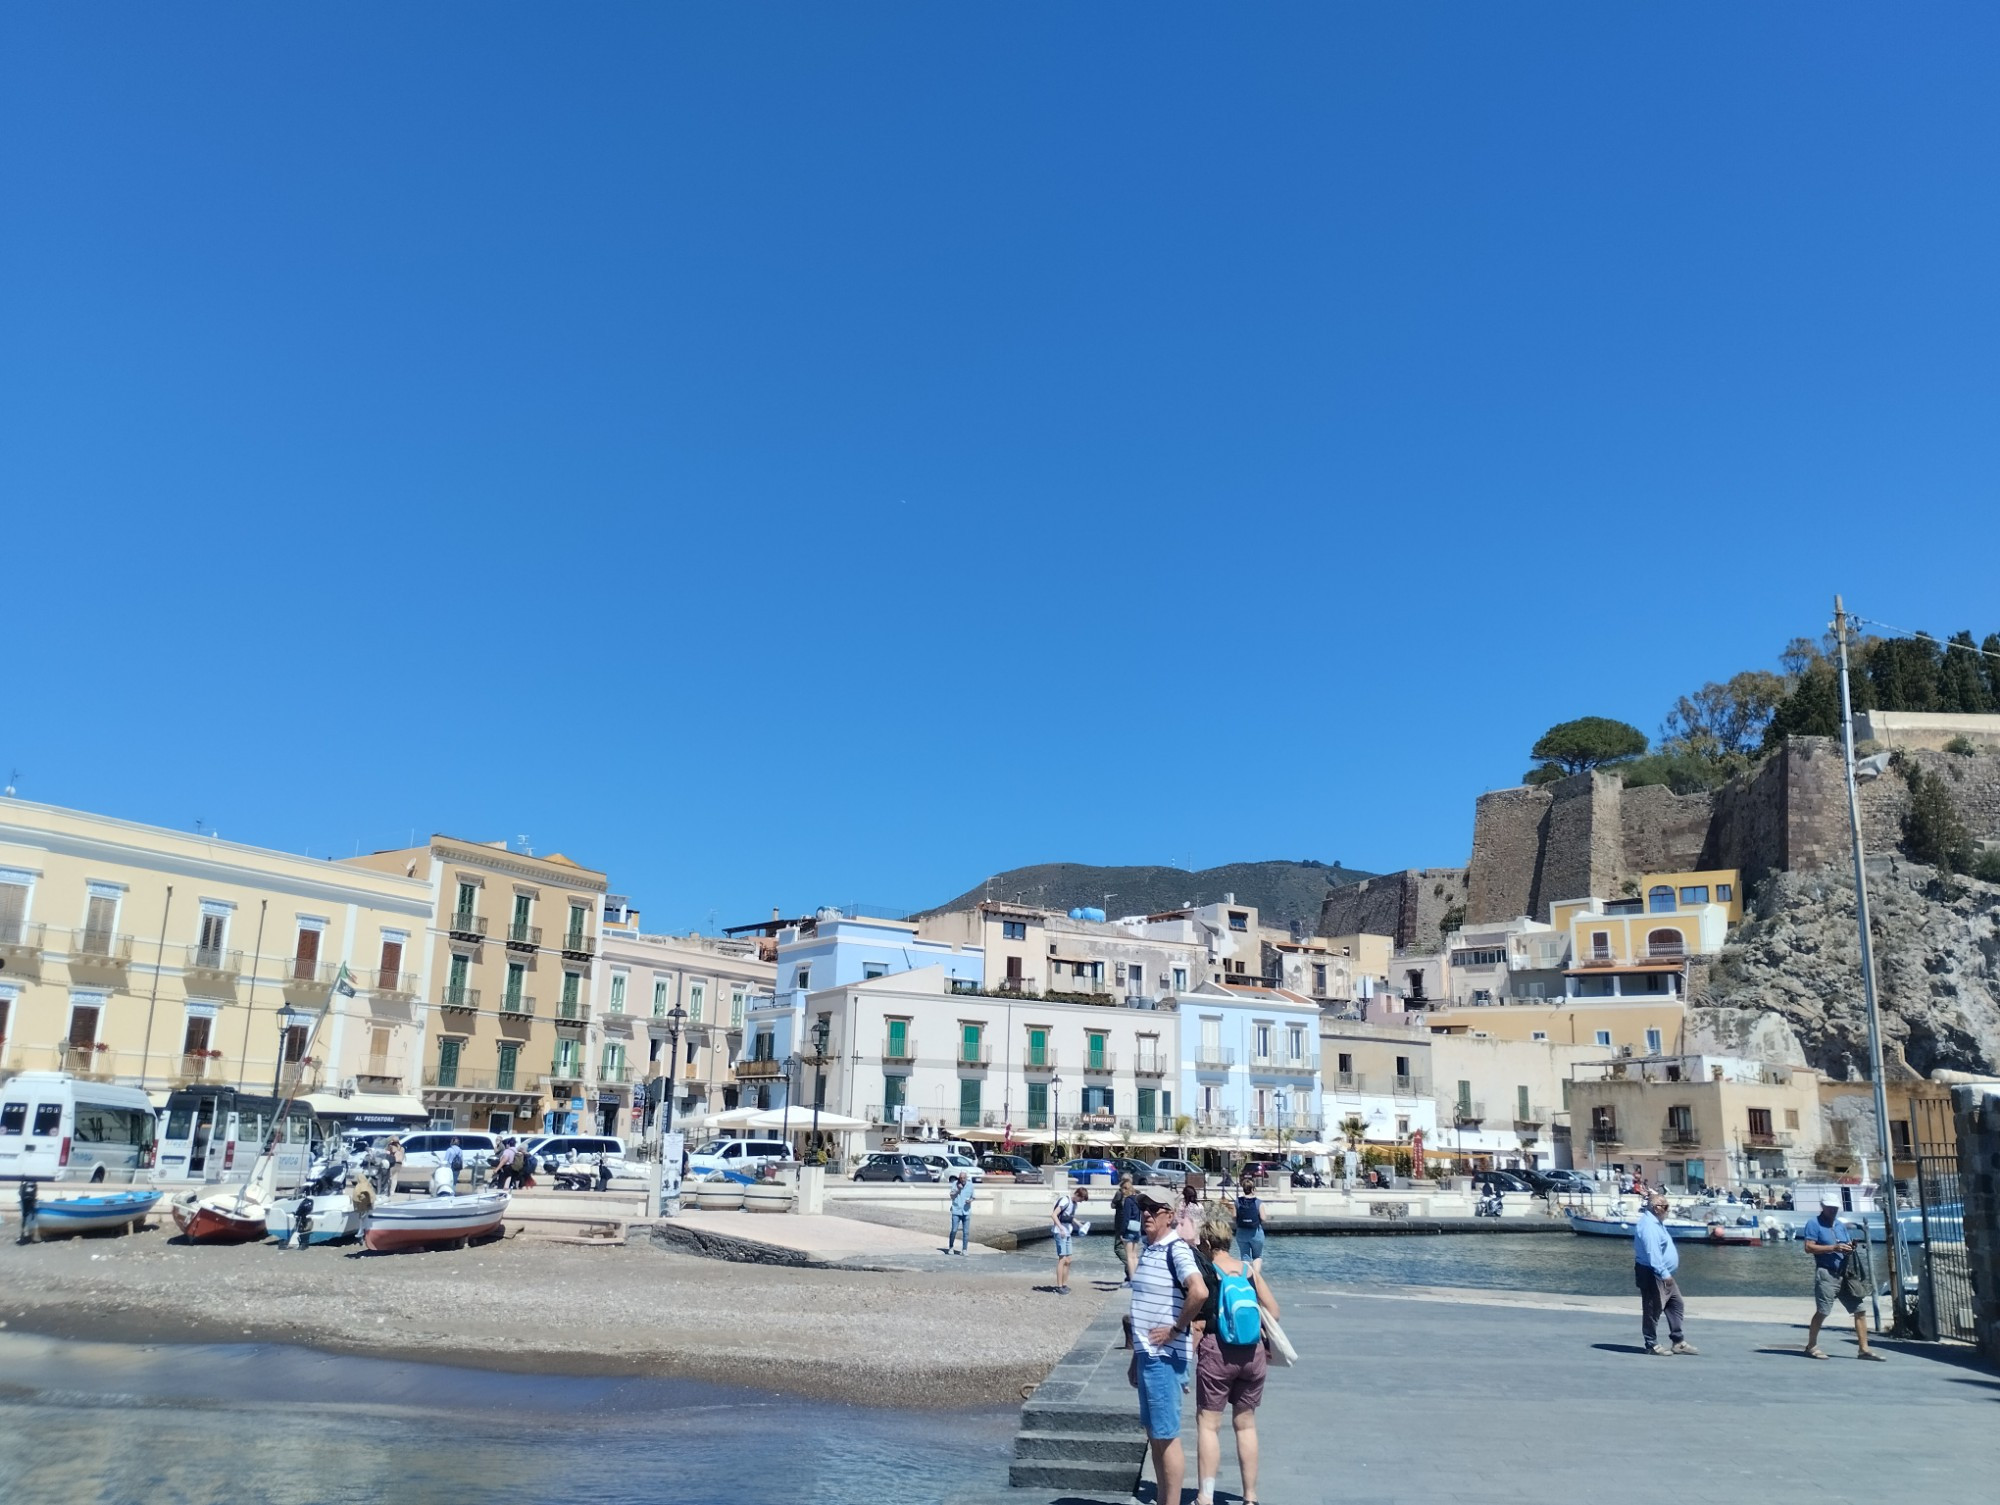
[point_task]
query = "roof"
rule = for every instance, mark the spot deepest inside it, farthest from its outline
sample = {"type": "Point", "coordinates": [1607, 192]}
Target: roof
{"type": "Point", "coordinates": [1604, 969]}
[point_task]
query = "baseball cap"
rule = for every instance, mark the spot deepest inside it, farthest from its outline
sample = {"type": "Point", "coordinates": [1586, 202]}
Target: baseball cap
{"type": "Point", "coordinates": [1150, 1203]}
{"type": "Point", "coordinates": [1830, 1199]}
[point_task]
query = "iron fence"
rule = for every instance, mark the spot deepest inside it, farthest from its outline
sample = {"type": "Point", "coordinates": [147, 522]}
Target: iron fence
{"type": "Point", "coordinates": [1944, 1275]}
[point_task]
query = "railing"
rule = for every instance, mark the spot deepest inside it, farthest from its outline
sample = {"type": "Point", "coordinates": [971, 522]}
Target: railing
{"type": "Point", "coordinates": [459, 998]}
{"type": "Point", "coordinates": [1274, 1121]}
{"type": "Point", "coordinates": [1214, 1057]}
{"type": "Point", "coordinates": [971, 1053]}
{"type": "Point", "coordinates": [1765, 1139]}
{"type": "Point", "coordinates": [617, 1076]}
{"type": "Point", "coordinates": [1038, 1118]}
{"type": "Point", "coordinates": [1100, 1061]}
{"type": "Point", "coordinates": [196, 1067]}
{"type": "Point", "coordinates": [214, 961]}
{"type": "Point", "coordinates": [1150, 1063]}
{"type": "Point", "coordinates": [1348, 1081]}
{"type": "Point", "coordinates": [22, 935]}
{"type": "Point", "coordinates": [906, 1050]}
{"type": "Point", "coordinates": [564, 1071]}
{"type": "Point", "coordinates": [465, 923]}
{"type": "Point", "coordinates": [1411, 1086]}
{"type": "Point", "coordinates": [524, 935]}
{"type": "Point", "coordinates": [382, 1074]}
{"type": "Point", "coordinates": [759, 1069]}
{"type": "Point", "coordinates": [1465, 1111]}
{"type": "Point", "coordinates": [572, 1010]}
{"type": "Point", "coordinates": [102, 947]}
{"type": "Point", "coordinates": [1606, 1134]}
{"type": "Point", "coordinates": [578, 944]}
{"type": "Point", "coordinates": [1535, 1116]}
{"type": "Point", "coordinates": [1679, 1137]}
{"type": "Point", "coordinates": [1285, 1065]}
{"type": "Point", "coordinates": [1210, 1123]}
{"type": "Point", "coordinates": [1083, 987]}
{"type": "Point", "coordinates": [1040, 1060]}
{"type": "Point", "coordinates": [391, 982]}
{"type": "Point", "coordinates": [521, 1004]}
{"type": "Point", "coordinates": [471, 1081]}
{"type": "Point", "coordinates": [308, 976]}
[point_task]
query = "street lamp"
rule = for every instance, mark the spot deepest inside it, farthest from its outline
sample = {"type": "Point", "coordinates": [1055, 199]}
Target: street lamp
{"type": "Point", "coordinates": [1055, 1115]}
{"type": "Point", "coordinates": [287, 1017]}
{"type": "Point", "coordinates": [819, 1034]}
{"type": "Point", "coordinates": [676, 1017]}
{"type": "Point", "coordinates": [791, 1070]}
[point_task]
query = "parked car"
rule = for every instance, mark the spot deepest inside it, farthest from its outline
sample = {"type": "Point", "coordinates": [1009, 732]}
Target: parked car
{"type": "Point", "coordinates": [1568, 1183]}
{"type": "Point", "coordinates": [1085, 1165]}
{"type": "Point", "coordinates": [552, 1150]}
{"type": "Point", "coordinates": [1022, 1170]}
{"type": "Point", "coordinates": [1142, 1172]}
{"type": "Point", "coordinates": [746, 1155]}
{"type": "Point", "coordinates": [424, 1152]}
{"type": "Point", "coordinates": [1182, 1171]}
{"type": "Point", "coordinates": [963, 1165]}
{"type": "Point", "coordinates": [893, 1167]}
{"type": "Point", "coordinates": [1500, 1181]}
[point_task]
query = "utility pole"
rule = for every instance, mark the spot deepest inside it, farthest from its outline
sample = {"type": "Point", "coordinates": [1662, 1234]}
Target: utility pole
{"type": "Point", "coordinates": [1886, 1198]}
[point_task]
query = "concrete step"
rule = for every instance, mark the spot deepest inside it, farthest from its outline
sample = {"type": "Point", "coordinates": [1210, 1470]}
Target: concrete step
{"type": "Point", "coordinates": [1086, 1447]}
{"type": "Point", "coordinates": [1079, 1416]}
{"type": "Point", "coordinates": [1114, 1479]}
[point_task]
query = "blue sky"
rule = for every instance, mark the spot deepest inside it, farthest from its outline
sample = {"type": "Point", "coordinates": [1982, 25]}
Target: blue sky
{"type": "Point", "coordinates": [784, 454]}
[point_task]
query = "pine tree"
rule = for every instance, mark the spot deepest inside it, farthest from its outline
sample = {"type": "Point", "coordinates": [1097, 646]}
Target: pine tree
{"type": "Point", "coordinates": [1932, 830]}
{"type": "Point", "coordinates": [1904, 673]}
{"type": "Point", "coordinates": [1961, 685]}
{"type": "Point", "coordinates": [1989, 664]}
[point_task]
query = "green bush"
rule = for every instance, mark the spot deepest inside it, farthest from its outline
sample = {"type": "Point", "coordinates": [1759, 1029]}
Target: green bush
{"type": "Point", "coordinates": [1986, 866]}
{"type": "Point", "coordinates": [1932, 830]}
{"type": "Point", "coordinates": [1963, 746]}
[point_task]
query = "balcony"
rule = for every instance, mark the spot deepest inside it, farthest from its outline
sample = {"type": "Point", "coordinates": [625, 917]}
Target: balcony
{"type": "Point", "coordinates": [760, 1069]}
{"type": "Point", "coordinates": [381, 1074]}
{"type": "Point", "coordinates": [307, 978]}
{"type": "Point", "coordinates": [974, 1053]}
{"type": "Point", "coordinates": [198, 1066]}
{"type": "Point", "coordinates": [517, 1006]}
{"type": "Point", "coordinates": [21, 946]}
{"type": "Point", "coordinates": [1281, 1065]}
{"type": "Point", "coordinates": [1348, 1081]}
{"type": "Point", "coordinates": [1533, 1117]}
{"type": "Point", "coordinates": [618, 1076]}
{"type": "Point", "coordinates": [212, 963]}
{"type": "Point", "coordinates": [1468, 1113]}
{"type": "Point", "coordinates": [459, 1000]}
{"type": "Point", "coordinates": [1606, 1134]}
{"type": "Point", "coordinates": [1150, 1063]}
{"type": "Point", "coordinates": [1680, 1137]}
{"type": "Point", "coordinates": [490, 1083]}
{"type": "Point", "coordinates": [902, 1051]}
{"type": "Point", "coordinates": [99, 951]}
{"type": "Point", "coordinates": [1214, 1057]}
{"type": "Point", "coordinates": [391, 982]}
{"type": "Point", "coordinates": [577, 944]}
{"type": "Point", "coordinates": [1223, 1122]}
{"type": "Point", "coordinates": [1040, 1060]}
{"type": "Point", "coordinates": [572, 1011]}
{"type": "Point", "coordinates": [1411, 1086]}
{"type": "Point", "coordinates": [1100, 1062]}
{"type": "Point", "coordinates": [563, 1074]}
{"type": "Point", "coordinates": [524, 937]}
{"type": "Point", "coordinates": [1765, 1139]}
{"type": "Point", "coordinates": [464, 925]}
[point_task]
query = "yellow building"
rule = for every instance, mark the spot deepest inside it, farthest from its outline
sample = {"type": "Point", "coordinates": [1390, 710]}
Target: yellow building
{"type": "Point", "coordinates": [1695, 1121]}
{"type": "Point", "coordinates": [509, 996]}
{"type": "Point", "coordinates": [1670, 893]}
{"type": "Point", "coordinates": [153, 957]}
{"type": "Point", "coordinates": [1641, 1026]}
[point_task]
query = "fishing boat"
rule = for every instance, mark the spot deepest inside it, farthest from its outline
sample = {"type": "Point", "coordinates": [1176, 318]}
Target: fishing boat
{"type": "Point", "coordinates": [328, 1218]}
{"type": "Point", "coordinates": [1616, 1227]}
{"type": "Point", "coordinates": [1747, 1235]}
{"type": "Point", "coordinates": [118, 1209]}
{"type": "Point", "coordinates": [230, 1214]}
{"type": "Point", "coordinates": [430, 1222]}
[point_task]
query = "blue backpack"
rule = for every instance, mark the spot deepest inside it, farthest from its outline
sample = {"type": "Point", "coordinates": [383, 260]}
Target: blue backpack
{"type": "Point", "coordinates": [1237, 1319]}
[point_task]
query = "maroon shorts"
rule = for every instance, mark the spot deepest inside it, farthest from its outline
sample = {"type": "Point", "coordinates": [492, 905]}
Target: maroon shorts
{"type": "Point", "coordinates": [1229, 1374]}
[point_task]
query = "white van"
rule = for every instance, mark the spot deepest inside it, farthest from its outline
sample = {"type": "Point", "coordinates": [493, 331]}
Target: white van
{"type": "Point", "coordinates": [744, 1155]}
{"type": "Point", "coordinates": [54, 1127]}
{"type": "Point", "coordinates": [423, 1152]}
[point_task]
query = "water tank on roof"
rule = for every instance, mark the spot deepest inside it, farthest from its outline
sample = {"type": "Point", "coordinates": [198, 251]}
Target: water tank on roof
{"type": "Point", "coordinates": [1076, 914]}
{"type": "Point", "coordinates": [1090, 914]}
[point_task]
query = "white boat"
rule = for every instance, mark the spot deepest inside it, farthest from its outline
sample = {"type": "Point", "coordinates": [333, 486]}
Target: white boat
{"type": "Point", "coordinates": [1679, 1229]}
{"type": "Point", "coordinates": [429, 1222]}
{"type": "Point", "coordinates": [330, 1218]}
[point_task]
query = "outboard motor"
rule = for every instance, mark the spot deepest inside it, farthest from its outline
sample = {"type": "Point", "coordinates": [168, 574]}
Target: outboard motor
{"type": "Point", "coordinates": [28, 1205]}
{"type": "Point", "coordinates": [301, 1226]}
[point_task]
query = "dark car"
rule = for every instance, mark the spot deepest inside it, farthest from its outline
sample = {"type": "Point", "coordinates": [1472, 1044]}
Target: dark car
{"type": "Point", "coordinates": [1142, 1172]}
{"type": "Point", "coordinates": [1500, 1181]}
{"type": "Point", "coordinates": [1568, 1183]}
{"type": "Point", "coordinates": [887, 1167]}
{"type": "Point", "coordinates": [1024, 1171]}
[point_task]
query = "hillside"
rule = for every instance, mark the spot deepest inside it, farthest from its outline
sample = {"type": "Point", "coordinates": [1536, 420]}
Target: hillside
{"type": "Point", "coordinates": [1281, 891]}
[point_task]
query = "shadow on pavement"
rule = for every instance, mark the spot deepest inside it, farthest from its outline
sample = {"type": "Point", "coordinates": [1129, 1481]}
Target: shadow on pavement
{"type": "Point", "coordinates": [1618, 1347]}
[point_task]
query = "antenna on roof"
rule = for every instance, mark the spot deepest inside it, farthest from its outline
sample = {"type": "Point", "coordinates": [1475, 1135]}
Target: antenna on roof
{"type": "Point", "coordinates": [13, 778]}
{"type": "Point", "coordinates": [523, 840]}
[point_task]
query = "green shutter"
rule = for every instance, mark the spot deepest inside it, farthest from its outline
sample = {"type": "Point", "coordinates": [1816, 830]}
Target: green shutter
{"type": "Point", "coordinates": [1038, 1105]}
{"type": "Point", "coordinates": [1147, 1118]}
{"type": "Point", "coordinates": [968, 1103]}
{"type": "Point", "coordinates": [1038, 1047]}
{"type": "Point", "coordinates": [892, 1095]}
{"type": "Point", "coordinates": [899, 1039]}
{"type": "Point", "coordinates": [448, 1063]}
{"type": "Point", "coordinates": [969, 1048]}
{"type": "Point", "coordinates": [508, 1055]}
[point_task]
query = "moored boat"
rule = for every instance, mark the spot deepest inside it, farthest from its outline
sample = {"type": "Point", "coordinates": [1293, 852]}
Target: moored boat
{"type": "Point", "coordinates": [120, 1209]}
{"type": "Point", "coordinates": [324, 1218]}
{"type": "Point", "coordinates": [1615, 1227]}
{"type": "Point", "coordinates": [217, 1220]}
{"type": "Point", "coordinates": [429, 1222]}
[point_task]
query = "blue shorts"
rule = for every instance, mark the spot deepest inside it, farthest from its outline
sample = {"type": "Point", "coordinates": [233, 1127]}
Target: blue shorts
{"type": "Point", "coordinates": [1062, 1245]}
{"type": "Point", "coordinates": [1130, 1236]}
{"type": "Point", "coordinates": [1162, 1381]}
{"type": "Point", "coordinates": [1249, 1243]}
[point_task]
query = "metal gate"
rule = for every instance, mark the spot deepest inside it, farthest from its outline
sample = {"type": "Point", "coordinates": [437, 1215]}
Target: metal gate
{"type": "Point", "coordinates": [1944, 1290]}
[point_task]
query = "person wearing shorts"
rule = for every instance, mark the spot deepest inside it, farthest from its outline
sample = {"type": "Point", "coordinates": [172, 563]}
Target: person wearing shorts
{"type": "Point", "coordinates": [1062, 1229]}
{"type": "Point", "coordinates": [1227, 1374]}
{"type": "Point", "coordinates": [1828, 1241]}
{"type": "Point", "coordinates": [1250, 1228]}
{"type": "Point", "coordinates": [1168, 1294]}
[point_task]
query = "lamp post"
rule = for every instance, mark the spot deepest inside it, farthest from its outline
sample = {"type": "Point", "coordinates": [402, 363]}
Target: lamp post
{"type": "Point", "coordinates": [791, 1070]}
{"type": "Point", "coordinates": [676, 1017]}
{"type": "Point", "coordinates": [287, 1017]}
{"type": "Point", "coordinates": [1055, 1115]}
{"type": "Point", "coordinates": [819, 1034]}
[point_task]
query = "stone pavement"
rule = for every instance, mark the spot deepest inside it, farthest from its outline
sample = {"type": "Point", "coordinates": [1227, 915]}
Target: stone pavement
{"type": "Point", "coordinates": [811, 1239]}
{"type": "Point", "coordinates": [1416, 1399]}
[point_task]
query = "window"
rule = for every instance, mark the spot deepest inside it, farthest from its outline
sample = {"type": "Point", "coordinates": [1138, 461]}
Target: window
{"type": "Point", "coordinates": [1239, 919]}
{"type": "Point", "coordinates": [208, 949]}
{"type": "Point", "coordinates": [1039, 1054]}
{"type": "Point", "coordinates": [614, 1061]}
{"type": "Point", "coordinates": [1097, 1058]}
{"type": "Point", "coordinates": [1013, 930]}
{"type": "Point", "coordinates": [660, 998]}
{"type": "Point", "coordinates": [1038, 1105]}
{"type": "Point", "coordinates": [578, 917]}
{"type": "Point", "coordinates": [1695, 894]}
{"type": "Point", "coordinates": [1791, 1118]}
{"type": "Point", "coordinates": [971, 1050]}
{"type": "Point", "coordinates": [698, 1002]}
{"type": "Point", "coordinates": [1148, 1111]}
{"type": "Point", "coordinates": [510, 1061]}
{"type": "Point", "coordinates": [524, 909]}
{"type": "Point", "coordinates": [569, 1053]}
{"type": "Point", "coordinates": [468, 898]}
{"type": "Point", "coordinates": [968, 1102]}
{"type": "Point", "coordinates": [1403, 1066]}
{"type": "Point", "coordinates": [1263, 1048]}
{"type": "Point", "coordinates": [1402, 1125]}
{"type": "Point", "coordinates": [448, 1062]}
{"type": "Point", "coordinates": [1600, 945]}
{"type": "Point", "coordinates": [872, 970]}
{"type": "Point", "coordinates": [517, 974]}
{"type": "Point", "coordinates": [1660, 899]}
{"type": "Point", "coordinates": [100, 920]}
{"type": "Point", "coordinates": [1540, 1034]}
{"type": "Point", "coordinates": [456, 977]}
{"type": "Point", "coordinates": [196, 1038]}
{"type": "Point", "coordinates": [1295, 1042]}
{"type": "Point", "coordinates": [295, 1044]}
{"type": "Point", "coordinates": [389, 975]}
{"type": "Point", "coordinates": [1464, 1099]}
{"type": "Point", "coordinates": [13, 908]}
{"type": "Point", "coordinates": [305, 953]}
{"type": "Point", "coordinates": [1346, 1063]}
{"type": "Point", "coordinates": [1725, 892]}
{"type": "Point", "coordinates": [617, 1003]}
{"type": "Point", "coordinates": [802, 979]}
{"type": "Point", "coordinates": [892, 1097]}
{"type": "Point", "coordinates": [83, 1026]}
{"type": "Point", "coordinates": [898, 1048]}
{"type": "Point", "coordinates": [1653, 1042]}
{"type": "Point", "coordinates": [1180, 979]}
{"type": "Point", "coordinates": [1484, 957]}
{"type": "Point", "coordinates": [1522, 1111]}
{"type": "Point", "coordinates": [572, 984]}
{"type": "Point", "coordinates": [1900, 1146]}
{"type": "Point", "coordinates": [736, 1010]}
{"type": "Point", "coordinates": [1604, 1037]}
{"type": "Point", "coordinates": [1319, 978]}
{"type": "Point", "coordinates": [1666, 945]}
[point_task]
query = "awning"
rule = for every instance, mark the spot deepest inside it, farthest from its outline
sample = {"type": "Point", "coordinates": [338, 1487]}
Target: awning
{"type": "Point", "coordinates": [1612, 969]}
{"type": "Point", "coordinates": [368, 1108]}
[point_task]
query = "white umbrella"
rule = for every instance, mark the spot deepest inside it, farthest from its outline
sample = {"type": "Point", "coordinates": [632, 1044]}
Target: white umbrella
{"type": "Point", "coordinates": [801, 1119]}
{"type": "Point", "coordinates": [729, 1118]}
{"type": "Point", "coordinates": [1312, 1147]}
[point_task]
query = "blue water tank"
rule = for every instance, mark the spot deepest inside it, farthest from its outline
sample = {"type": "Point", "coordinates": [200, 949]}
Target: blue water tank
{"type": "Point", "coordinates": [1089, 914]}
{"type": "Point", "coordinates": [1076, 914]}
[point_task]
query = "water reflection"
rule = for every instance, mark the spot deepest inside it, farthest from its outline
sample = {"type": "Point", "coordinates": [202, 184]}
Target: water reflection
{"type": "Point", "coordinates": [108, 1423]}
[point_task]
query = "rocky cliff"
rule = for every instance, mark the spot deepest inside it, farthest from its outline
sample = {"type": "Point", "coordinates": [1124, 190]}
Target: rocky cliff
{"type": "Point", "coordinates": [1789, 986]}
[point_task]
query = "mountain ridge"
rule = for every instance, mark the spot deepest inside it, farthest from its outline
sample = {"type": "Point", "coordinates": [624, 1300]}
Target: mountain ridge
{"type": "Point", "coordinates": [1281, 890]}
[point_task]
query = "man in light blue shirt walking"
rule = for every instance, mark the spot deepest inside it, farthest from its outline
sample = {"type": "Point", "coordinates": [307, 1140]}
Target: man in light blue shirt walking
{"type": "Point", "coordinates": [961, 1216]}
{"type": "Point", "coordinates": [1654, 1260]}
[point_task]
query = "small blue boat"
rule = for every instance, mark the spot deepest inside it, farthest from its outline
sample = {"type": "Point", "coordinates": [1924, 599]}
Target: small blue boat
{"type": "Point", "coordinates": [119, 1209]}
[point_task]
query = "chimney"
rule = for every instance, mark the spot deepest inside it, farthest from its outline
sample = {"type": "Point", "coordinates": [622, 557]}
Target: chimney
{"type": "Point", "coordinates": [775, 912]}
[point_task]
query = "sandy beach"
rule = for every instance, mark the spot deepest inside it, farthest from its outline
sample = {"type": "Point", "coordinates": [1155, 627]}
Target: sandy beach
{"type": "Point", "coordinates": [929, 1339]}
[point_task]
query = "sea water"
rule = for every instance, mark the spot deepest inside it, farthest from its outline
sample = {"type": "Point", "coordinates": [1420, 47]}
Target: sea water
{"type": "Point", "coordinates": [109, 1423]}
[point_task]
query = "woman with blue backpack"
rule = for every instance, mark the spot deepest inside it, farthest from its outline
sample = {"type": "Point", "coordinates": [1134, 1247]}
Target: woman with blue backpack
{"type": "Point", "coordinates": [1249, 1218]}
{"type": "Point", "coordinates": [1230, 1362]}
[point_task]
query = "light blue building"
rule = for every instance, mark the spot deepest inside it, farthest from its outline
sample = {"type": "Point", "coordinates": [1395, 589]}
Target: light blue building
{"type": "Point", "coordinates": [831, 950]}
{"type": "Point", "coordinates": [1250, 1065]}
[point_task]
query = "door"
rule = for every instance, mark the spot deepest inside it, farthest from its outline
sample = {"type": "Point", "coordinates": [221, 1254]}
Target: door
{"type": "Point", "coordinates": [100, 918]}
{"type": "Point", "coordinates": [209, 948]}
{"type": "Point", "coordinates": [1038, 1047]}
{"type": "Point", "coordinates": [82, 1053]}
{"type": "Point", "coordinates": [391, 971]}
{"type": "Point", "coordinates": [305, 956]}
{"type": "Point", "coordinates": [448, 1063]}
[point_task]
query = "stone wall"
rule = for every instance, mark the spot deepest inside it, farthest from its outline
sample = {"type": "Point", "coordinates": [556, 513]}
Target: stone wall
{"type": "Point", "coordinates": [1660, 831]}
{"type": "Point", "coordinates": [1409, 906]}
{"type": "Point", "coordinates": [1509, 831]}
{"type": "Point", "coordinates": [1977, 1110]}
{"type": "Point", "coordinates": [1973, 784]}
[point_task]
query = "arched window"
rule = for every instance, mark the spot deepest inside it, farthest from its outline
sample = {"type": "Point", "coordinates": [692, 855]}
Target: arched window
{"type": "Point", "coordinates": [1660, 900]}
{"type": "Point", "coordinates": [1666, 945]}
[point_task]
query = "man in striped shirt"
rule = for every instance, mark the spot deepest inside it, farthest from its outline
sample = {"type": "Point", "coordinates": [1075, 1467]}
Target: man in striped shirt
{"type": "Point", "coordinates": [1167, 1296]}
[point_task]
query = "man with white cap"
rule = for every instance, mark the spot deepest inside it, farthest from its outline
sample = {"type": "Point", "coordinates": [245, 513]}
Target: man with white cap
{"type": "Point", "coordinates": [1829, 1241]}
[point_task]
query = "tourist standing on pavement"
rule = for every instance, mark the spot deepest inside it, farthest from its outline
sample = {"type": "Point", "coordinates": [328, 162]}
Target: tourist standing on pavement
{"type": "Point", "coordinates": [1126, 1216]}
{"type": "Point", "coordinates": [1227, 1373]}
{"type": "Point", "coordinates": [1168, 1294]}
{"type": "Point", "coordinates": [503, 1167]}
{"type": "Point", "coordinates": [1832, 1245]}
{"type": "Point", "coordinates": [1250, 1225]}
{"type": "Point", "coordinates": [454, 1159]}
{"type": "Point", "coordinates": [1654, 1260]}
{"type": "Point", "coordinates": [961, 1215]}
{"type": "Point", "coordinates": [1062, 1228]}
{"type": "Point", "coordinates": [1188, 1221]}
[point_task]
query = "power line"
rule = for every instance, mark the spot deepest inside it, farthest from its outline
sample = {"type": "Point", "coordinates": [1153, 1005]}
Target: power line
{"type": "Point", "coordinates": [1944, 643]}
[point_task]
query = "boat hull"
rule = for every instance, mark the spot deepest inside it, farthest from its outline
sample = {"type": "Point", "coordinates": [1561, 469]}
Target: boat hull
{"type": "Point", "coordinates": [1625, 1228]}
{"type": "Point", "coordinates": [205, 1223]}
{"type": "Point", "coordinates": [93, 1214]}
{"type": "Point", "coordinates": [333, 1220]}
{"type": "Point", "coordinates": [433, 1221]}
